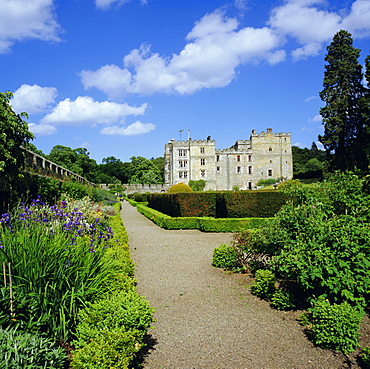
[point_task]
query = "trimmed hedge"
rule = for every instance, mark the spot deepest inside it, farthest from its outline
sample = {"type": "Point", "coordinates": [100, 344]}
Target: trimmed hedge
{"type": "Point", "coordinates": [205, 224]}
{"type": "Point", "coordinates": [236, 204]}
{"type": "Point", "coordinates": [111, 330]}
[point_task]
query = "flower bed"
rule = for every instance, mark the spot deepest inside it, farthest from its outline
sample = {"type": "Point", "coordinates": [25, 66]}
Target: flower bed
{"type": "Point", "coordinates": [58, 261]}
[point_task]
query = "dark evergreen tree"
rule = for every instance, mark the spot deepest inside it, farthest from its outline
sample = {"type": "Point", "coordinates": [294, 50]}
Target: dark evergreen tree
{"type": "Point", "coordinates": [345, 136]}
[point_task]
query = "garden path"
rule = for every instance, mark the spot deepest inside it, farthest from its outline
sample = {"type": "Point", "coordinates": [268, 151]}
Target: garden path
{"type": "Point", "coordinates": [206, 318]}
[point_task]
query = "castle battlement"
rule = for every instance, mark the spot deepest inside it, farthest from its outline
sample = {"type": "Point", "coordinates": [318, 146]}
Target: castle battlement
{"type": "Point", "coordinates": [269, 133]}
{"type": "Point", "coordinates": [265, 155]}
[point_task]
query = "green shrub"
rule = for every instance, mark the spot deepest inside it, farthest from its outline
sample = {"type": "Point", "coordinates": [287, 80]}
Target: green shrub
{"type": "Point", "coordinates": [225, 257]}
{"type": "Point", "coordinates": [282, 299]}
{"type": "Point", "coordinates": [265, 284]}
{"type": "Point", "coordinates": [266, 182]}
{"type": "Point", "coordinates": [111, 348]}
{"type": "Point", "coordinates": [121, 309]}
{"type": "Point", "coordinates": [26, 350]}
{"type": "Point", "coordinates": [335, 326]}
{"type": "Point", "coordinates": [74, 190]}
{"type": "Point", "coordinates": [197, 185]}
{"type": "Point", "coordinates": [366, 355]}
{"type": "Point", "coordinates": [179, 187]}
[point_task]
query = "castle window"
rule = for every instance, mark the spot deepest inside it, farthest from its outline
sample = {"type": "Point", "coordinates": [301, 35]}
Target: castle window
{"type": "Point", "coordinates": [270, 148]}
{"type": "Point", "coordinates": [218, 169]}
{"type": "Point", "coordinates": [183, 163]}
{"type": "Point", "coordinates": [249, 157]}
{"type": "Point", "coordinates": [270, 172]}
{"type": "Point", "coordinates": [217, 157]}
{"type": "Point", "coordinates": [183, 152]}
{"type": "Point", "coordinates": [238, 170]}
{"type": "Point", "coordinates": [202, 150]}
{"type": "Point", "coordinates": [185, 174]}
{"type": "Point", "coordinates": [181, 174]}
{"type": "Point", "coordinates": [250, 169]}
{"type": "Point", "coordinates": [202, 173]}
{"type": "Point", "coordinates": [238, 158]}
{"type": "Point", "coordinates": [202, 161]}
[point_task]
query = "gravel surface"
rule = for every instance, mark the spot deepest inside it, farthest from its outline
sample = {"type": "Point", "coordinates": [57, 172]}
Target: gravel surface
{"type": "Point", "coordinates": [206, 318]}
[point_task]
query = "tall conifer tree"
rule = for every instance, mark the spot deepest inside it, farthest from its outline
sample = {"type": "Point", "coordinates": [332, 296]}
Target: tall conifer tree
{"type": "Point", "coordinates": [345, 136]}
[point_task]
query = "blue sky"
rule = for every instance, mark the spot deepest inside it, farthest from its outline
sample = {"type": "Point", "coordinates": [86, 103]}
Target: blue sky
{"type": "Point", "coordinates": [123, 77]}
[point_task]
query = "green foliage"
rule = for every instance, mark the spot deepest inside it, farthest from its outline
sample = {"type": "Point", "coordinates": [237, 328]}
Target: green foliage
{"type": "Point", "coordinates": [249, 204]}
{"type": "Point", "coordinates": [282, 299]}
{"type": "Point", "coordinates": [265, 284]}
{"type": "Point", "coordinates": [179, 187]}
{"type": "Point", "coordinates": [266, 182]}
{"type": "Point", "coordinates": [14, 133]}
{"type": "Point", "coordinates": [139, 197]}
{"type": "Point", "coordinates": [145, 171]}
{"type": "Point", "coordinates": [197, 185]}
{"type": "Point", "coordinates": [121, 309]}
{"type": "Point", "coordinates": [74, 190]}
{"type": "Point", "coordinates": [308, 163]}
{"type": "Point", "coordinates": [26, 350]}
{"type": "Point", "coordinates": [366, 355]}
{"type": "Point", "coordinates": [202, 223]}
{"type": "Point", "coordinates": [111, 348]}
{"type": "Point", "coordinates": [111, 328]}
{"type": "Point", "coordinates": [346, 135]}
{"type": "Point", "coordinates": [225, 257]}
{"type": "Point", "coordinates": [319, 241]}
{"type": "Point", "coordinates": [335, 326]}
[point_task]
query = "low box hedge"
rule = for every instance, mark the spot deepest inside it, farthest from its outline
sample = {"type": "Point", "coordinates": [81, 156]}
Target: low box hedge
{"type": "Point", "coordinates": [205, 224]}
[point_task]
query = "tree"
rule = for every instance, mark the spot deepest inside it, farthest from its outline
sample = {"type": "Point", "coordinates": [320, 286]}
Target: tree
{"type": "Point", "coordinates": [345, 135]}
{"type": "Point", "coordinates": [145, 171]}
{"type": "Point", "coordinates": [14, 133]}
{"type": "Point", "coordinates": [116, 169]}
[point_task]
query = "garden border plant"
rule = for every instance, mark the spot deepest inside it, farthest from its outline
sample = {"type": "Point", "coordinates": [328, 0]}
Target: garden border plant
{"type": "Point", "coordinates": [318, 245]}
{"type": "Point", "coordinates": [83, 260]}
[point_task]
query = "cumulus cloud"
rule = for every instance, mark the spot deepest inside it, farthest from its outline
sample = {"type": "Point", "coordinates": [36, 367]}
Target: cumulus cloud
{"type": "Point", "coordinates": [24, 19]}
{"type": "Point", "coordinates": [85, 110]}
{"type": "Point", "coordinates": [33, 99]}
{"type": "Point", "coordinates": [42, 129]}
{"type": "Point", "coordinates": [312, 26]}
{"type": "Point", "coordinates": [136, 128]}
{"type": "Point", "coordinates": [216, 47]}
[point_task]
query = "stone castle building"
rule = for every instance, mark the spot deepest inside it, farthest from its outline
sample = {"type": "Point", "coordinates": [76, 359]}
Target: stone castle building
{"type": "Point", "coordinates": [265, 155]}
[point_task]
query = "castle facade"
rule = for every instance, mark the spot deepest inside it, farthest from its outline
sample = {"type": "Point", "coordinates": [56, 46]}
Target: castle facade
{"type": "Point", "coordinates": [265, 155]}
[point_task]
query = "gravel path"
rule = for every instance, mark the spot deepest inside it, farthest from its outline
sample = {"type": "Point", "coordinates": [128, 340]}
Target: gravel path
{"type": "Point", "coordinates": [206, 318]}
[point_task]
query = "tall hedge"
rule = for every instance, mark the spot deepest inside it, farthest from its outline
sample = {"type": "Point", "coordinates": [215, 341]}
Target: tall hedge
{"type": "Point", "coordinates": [241, 204]}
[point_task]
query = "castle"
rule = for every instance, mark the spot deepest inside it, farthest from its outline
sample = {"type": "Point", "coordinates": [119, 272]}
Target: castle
{"type": "Point", "coordinates": [265, 155]}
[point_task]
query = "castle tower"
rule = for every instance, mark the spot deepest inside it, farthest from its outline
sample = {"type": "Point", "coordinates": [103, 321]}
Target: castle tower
{"type": "Point", "coordinates": [266, 155]}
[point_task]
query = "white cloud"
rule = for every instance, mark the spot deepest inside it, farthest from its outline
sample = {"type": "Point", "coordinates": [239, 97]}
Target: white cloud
{"type": "Point", "coordinates": [33, 99]}
{"type": "Point", "coordinates": [358, 20]}
{"type": "Point", "coordinates": [110, 79]}
{"type": "Point", "coordinates": [86, 111]}
{"type": "Point", "coordinates": [312, 26]}
{"type": "Point", "coordinates": [311, 98]}
{"type": "Point", "coordinates": [24, 19]}
{"type": "Point", "coordinates": [316, 118]}
{"type": "Point", "coordinates": [136, 128]}
{"type": "Point", "coordinates": [215, 48]}
{"type": "Point", "coordinates": [106, 4]}
{"type": "Point", "coordinates": [42, 129]}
